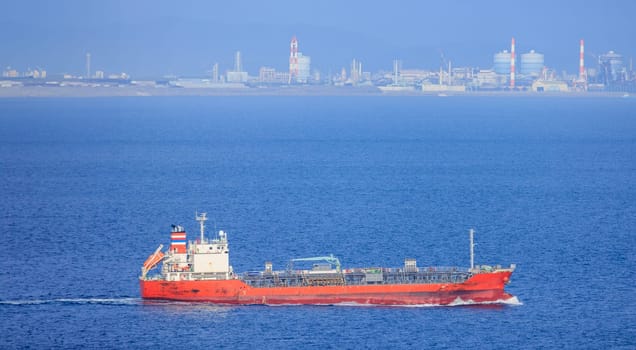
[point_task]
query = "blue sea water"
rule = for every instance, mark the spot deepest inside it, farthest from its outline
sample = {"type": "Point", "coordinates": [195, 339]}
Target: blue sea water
{"type": "Point", "coordinates": [89, 189]}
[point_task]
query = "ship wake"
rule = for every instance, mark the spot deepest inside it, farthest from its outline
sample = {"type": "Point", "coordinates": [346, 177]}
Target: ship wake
{"type": "Point", "coordinates": [75, 301]}
{"type": "Point", "coordinates": [512, 301]}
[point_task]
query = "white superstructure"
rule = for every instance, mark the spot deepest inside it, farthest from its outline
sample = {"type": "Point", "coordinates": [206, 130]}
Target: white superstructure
{"type": "Point", "coordinates": [204, 259]}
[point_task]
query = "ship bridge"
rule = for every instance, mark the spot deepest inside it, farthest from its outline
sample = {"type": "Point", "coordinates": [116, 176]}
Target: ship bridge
{"type": "Point", "coordinates": [204, 258]}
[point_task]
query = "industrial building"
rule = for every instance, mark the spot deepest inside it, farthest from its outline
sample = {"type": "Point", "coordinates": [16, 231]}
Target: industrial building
{"type": "Point", "coordinates": [10, 73]}
{"type": "Point", "coordinates": [549, 86]}
{"type": "Point", "coordinates": [237, 75]}
{"type": "Point", "coordinates": [611, 68]}
{"type": "Point", "coordinates": [304, 68]}
{"type": "Point", "coordinates": [268, 75]}
{"type": "Point", "coordinates": [414, 76]}
{"type": "Point", "coordinates": [488, 79]}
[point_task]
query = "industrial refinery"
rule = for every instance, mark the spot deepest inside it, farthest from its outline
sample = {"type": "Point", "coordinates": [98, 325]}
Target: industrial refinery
{"type": "Point", "coordinates": [510, 71]}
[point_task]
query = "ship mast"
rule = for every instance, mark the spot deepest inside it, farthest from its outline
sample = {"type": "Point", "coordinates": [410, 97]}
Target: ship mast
{"type": "Point", "coordinates": [201, 219]}
{"type": "Point", "coordinates": [472, 249]}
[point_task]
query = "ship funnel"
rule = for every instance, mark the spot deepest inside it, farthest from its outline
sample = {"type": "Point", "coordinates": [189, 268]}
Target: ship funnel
{"type": "Point", "coordinates": [178, 240]}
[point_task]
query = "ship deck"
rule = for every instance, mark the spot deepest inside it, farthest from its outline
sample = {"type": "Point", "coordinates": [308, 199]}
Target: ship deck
{"type": "Point", "coordinates": [368, 276]}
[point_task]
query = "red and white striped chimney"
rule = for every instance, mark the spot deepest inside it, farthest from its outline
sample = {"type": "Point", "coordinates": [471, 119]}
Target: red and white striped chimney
{"type": "Point", "coordinates": [582, 61]}
{"type": "Point", "coordinates": [512, 64]}
{"type": "Point", "coordinates": [293, 59]}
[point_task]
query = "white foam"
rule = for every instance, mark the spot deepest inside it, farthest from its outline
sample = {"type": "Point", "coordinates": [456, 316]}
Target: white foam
{"type": "Point", "coordinates": [513, 301]}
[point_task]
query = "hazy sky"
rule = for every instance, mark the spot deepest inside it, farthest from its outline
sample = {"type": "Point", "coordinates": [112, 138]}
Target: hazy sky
{"type": "Point", "coordinates": [153, 38]}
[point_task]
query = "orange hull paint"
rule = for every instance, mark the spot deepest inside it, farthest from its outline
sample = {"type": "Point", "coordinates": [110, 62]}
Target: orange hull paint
{"type": "Point", "coordinates": [482, 287]}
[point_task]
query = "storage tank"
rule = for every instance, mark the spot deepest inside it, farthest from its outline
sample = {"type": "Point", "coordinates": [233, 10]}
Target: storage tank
{"type": "Point", "coordinates": [531, 63]}
{"type": "Point", "coordinates": [502, 62]}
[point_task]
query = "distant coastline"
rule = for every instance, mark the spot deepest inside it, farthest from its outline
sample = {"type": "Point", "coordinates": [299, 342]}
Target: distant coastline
{"type": "Point", "coordinates": [129, 91]}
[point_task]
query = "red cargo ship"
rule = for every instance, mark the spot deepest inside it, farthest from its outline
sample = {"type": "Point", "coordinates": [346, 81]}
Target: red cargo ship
{"type": "Point", "coordinates": [200, 271]}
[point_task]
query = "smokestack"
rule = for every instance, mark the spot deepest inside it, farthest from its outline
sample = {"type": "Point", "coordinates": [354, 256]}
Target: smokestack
{"type": "Point", "coordinates": [396, 70]}
{"type": "Point", "coordinates": [88, 65]}
{"type": "Point", "coordinates": [215, 73]}
{"type": "Point", "coordinates": [354, 71]}
{"type": "Point", "coordinates": [178, 240]}
{"type": "Point", "coordinates": [237, 62]}
{"type": "Point", "coordinates": [512, 64]}
{"type": "Point", "coordinates": [582, 62]}
{"type": "Point", "coordinates": [293, 59]}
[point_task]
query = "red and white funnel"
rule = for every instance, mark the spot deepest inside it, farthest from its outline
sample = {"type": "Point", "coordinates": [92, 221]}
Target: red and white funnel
{"type": "Point", "coordinates": [178, 240]}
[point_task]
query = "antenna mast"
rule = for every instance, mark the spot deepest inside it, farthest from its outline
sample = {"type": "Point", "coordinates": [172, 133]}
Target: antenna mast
{"type": "Point", "coordinates": [472, 249]}
{"type": "Point", "coordinates": [201, 219]}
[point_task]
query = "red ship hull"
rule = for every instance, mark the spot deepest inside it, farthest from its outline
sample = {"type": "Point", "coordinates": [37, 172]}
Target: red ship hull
{"type": "Point", "coordinates": [480, 288]}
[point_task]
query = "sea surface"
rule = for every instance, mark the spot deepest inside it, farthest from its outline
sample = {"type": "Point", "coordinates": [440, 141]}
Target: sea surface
{"type": "Point", "coordinates": [90, 187]}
